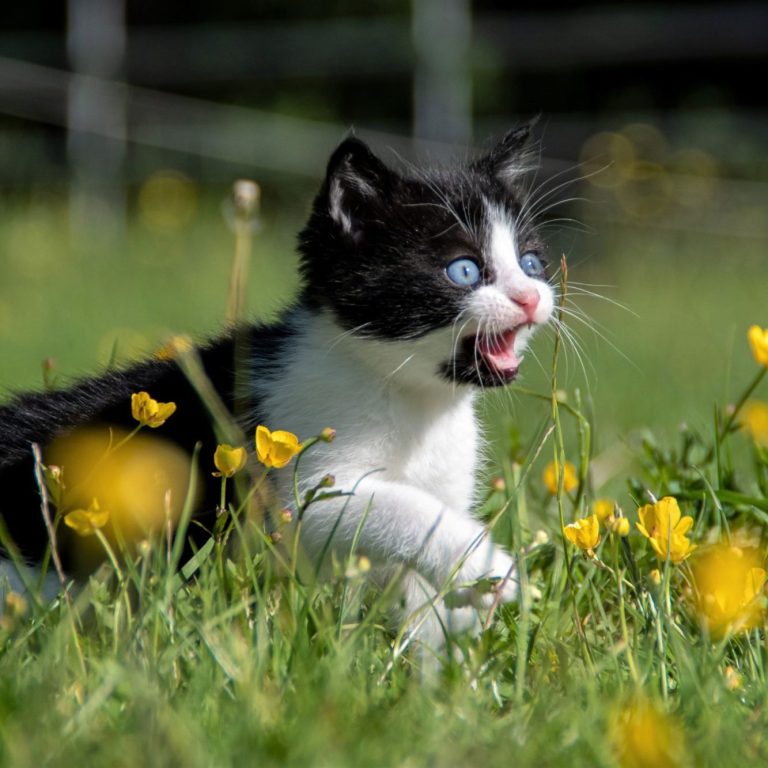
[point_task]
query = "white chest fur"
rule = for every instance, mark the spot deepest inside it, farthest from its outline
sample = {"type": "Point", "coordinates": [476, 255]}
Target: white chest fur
{"type": "Point", "coordinates": [424, 436]}
{"type": "Point", "coordinates": [414, 444]}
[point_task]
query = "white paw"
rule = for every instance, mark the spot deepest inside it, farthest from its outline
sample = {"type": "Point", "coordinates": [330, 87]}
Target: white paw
{"type": "Point", "coordinates": [487, 575]}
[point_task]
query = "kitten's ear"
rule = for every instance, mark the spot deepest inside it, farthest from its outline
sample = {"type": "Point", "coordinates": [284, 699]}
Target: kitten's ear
{"type": "Point", "coordinates": [355, 181]}
{"type": "Point", "coordinates": [512, 156]}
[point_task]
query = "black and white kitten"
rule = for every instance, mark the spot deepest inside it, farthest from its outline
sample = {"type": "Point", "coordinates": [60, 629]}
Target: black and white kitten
{"type": "Point", "coordinates": [420, 288]}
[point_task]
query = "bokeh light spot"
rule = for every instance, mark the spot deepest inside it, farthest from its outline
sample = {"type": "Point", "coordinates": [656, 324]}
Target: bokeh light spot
{"type": "Point", "coordinates": [606, 159]}
{"type": "Point", "coordinates": [167, 201]}
{"type": "Point", "coordinates": [142, 483]}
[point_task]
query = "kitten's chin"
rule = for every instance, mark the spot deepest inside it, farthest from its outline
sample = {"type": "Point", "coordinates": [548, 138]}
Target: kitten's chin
{"type": "Point", "coordinates": [485, 360]}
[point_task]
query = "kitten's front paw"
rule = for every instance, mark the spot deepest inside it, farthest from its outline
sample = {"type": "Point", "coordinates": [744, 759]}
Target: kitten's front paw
{"type": "Point", "coordinates": [487, 574]}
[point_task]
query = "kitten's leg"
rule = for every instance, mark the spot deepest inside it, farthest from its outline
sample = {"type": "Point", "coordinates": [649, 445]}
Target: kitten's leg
{"type": "Point", "coordinates": [399, 524]}
{"type": "Point", "coordinates": [428, 619]}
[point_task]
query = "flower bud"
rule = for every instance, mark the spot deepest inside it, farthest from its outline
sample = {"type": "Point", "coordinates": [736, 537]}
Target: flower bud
{"type": "Point", "coordinates": [618, 525]}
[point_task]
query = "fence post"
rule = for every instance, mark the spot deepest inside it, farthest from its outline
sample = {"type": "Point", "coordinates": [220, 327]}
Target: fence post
{"type": "Point", "coordinates": [442, 83]}
{"type": "Point", "coordinates": [96, 115]}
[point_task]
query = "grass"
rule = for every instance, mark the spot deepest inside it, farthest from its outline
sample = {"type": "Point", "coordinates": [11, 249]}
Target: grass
{"type": "Point", "coordinates": [243, 663]}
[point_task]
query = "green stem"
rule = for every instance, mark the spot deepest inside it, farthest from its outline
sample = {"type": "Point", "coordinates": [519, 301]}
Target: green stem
{"type": "Point", "coordinates": [740, 404]}
{"type": "Point", "coordinates": [623, 615]}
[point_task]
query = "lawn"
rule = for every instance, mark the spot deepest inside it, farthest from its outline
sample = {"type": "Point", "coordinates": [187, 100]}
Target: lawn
{"type": "Point", "coordinates": [613, 656]}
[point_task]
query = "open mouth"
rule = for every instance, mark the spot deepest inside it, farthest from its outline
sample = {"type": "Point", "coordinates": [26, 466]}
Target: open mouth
{"type": "Point", "coordinates": [496, 352]}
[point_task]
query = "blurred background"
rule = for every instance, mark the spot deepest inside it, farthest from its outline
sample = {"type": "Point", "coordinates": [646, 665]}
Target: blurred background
{"type": "Point", "coordinates": [123, 124]}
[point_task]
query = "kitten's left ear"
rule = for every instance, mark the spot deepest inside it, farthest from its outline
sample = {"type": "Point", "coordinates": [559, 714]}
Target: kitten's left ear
{"type": "Point", "coordinates": [511, 157]}
{"type": "Point", "coordinates": [355, 181]}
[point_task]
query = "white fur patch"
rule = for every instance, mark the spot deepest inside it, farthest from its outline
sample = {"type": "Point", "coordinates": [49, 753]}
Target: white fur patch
{"type": "Point", "coordinates": [494, 306]}
{"type": "Point", "coordinates": [336, 199]}
{"type": "Point", "coordinates": [408, 441]}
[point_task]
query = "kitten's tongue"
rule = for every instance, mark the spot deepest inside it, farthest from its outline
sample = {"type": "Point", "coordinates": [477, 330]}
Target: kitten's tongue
{"type": "Point", "coordinates": [499, 350]}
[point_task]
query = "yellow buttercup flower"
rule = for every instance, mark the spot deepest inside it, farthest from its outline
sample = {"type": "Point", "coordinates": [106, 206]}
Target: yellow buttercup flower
{"type": "Point", "coordinates": [551, 476]}
{"type": "Point", "coordinates": [584, 533]}
{"type": "Point", "coordinates": [666, 530]}
{"type": "Point", "coordinates": [229, 460]}
{"type": "Point", "coordinates": [603, 509]}
{"type": "Point", "coordinates": [148, 412]}
{"type": "Point", "coordinates": [644, 737]}
{"type": "Point", "coordinates": [84, 522]}
{"type": "Point", "coordinates": [733, 680]}
{"type": "Point", "coordinates": [275, 449]}
{"type": "Point", "coordinates": [728, 582]}
{"type": "Point", "coordinates": [174, 347]}
{"type": "Point", "coordinates": [618, 525]}
{"type": "Point", "coordinates": [758, 341]}
{"type": "Point", "coordinates": [754, 419]}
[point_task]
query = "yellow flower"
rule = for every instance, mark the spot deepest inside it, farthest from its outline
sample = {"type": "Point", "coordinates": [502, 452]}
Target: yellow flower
{"type": "Point", "coordinates": [733, 680]}
{"type": "Point", "coordinates": [15, 604]}
{"type": "Point", "coordinates": [663, 526]}
{"type": "Point", "coordinates": [618, 525]}
{"type": "Point", "coordinates": [644, 737]}
{"type": "Point", "coordinates": [754, 419]}
{"type": "Point", "coordinates": [229, 460]}
{"type": "Point", "coordinates": [275, 449]}
{"type": "Point", "coordinates": [655, 576]}
{"type": "Point", "coordinates": [551, 476]}
{"type": "Point", "coordinates": [148, 412]}
{"type": "Point", "coordinates": [84, 522]}
{"type": "Point", "coordinates": [174, 347]}
{"type": "Point", "coordinates": [603, 508]}
{"type": "Point", "coordinates": [758, 340]}
{"type": "Point", "coordinates": [584, 533]}
{"type": "Point", "coordinates": [728, 583]}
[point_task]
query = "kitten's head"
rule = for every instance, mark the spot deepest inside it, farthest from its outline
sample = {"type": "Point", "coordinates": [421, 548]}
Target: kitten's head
{"type": "Point", "coordinates": [439, 267]}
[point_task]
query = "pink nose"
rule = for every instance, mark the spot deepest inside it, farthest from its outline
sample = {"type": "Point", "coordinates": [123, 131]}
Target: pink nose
{"type": "Point", "coordinates": [527, 300]}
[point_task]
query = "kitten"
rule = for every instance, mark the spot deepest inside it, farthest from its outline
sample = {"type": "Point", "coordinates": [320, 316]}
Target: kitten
{"type": "Point", "coordinates": [420, 288]}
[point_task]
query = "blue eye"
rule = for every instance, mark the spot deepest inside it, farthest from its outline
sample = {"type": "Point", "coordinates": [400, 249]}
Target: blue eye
{"type": "Point", "coordinates": [463, 272]}
{"type": "Point", "coordinates": [531, 264]}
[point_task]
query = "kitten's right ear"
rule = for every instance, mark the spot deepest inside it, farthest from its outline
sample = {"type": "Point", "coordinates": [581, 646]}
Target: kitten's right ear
{"type": "Point", "coordinates": [512, 156]}
{"type": "Point", "coordinates": [355, 180]}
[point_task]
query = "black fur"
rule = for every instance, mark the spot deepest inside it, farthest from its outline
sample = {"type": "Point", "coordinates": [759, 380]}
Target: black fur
{"type": "Point", "coordinates": [374, 253]}
{"type": "Point", "coordinates": [106, 400]}
{"type": "Point", "coordinates": [385, 276]}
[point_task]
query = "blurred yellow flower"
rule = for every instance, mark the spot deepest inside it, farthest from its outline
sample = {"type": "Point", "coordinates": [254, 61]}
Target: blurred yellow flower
{"type": "Point", "coordinates": [758, 340]}
{"type": "Point", "coordinates": [728, 584]}
{"type": "Point", "coordinates": [229, 460]}
{"type": "Point", "coordinates": [175, 346]}
{"type": "Point", "coordinates": [275, 449]}
{"type": "Point", "coordinates": [655, 576]}
{"type": "Point", "coordinates": [733, 680]}
{"type": "Point", "coordinates": [603, 508]}
{"type": "Point", "coordinates": [584, 533]}
{"type": "Point", "coordinates": [644, 737]}
{"type": "Point", "coordinates": [663, 526]}
{"type": "Point", "coordinates": [551, 476]}
{"type": "Point", "coordinates": [148, 412]}
{"type": "Point", "coordinates": [618, 525]}
{"type": "Point", "coordinates": [84, 522]}
{"type": "Point", "coordinates": [143, 485]}
{"type": "Point", "coordinates": [16, 604]}
{"type": "Point", "coordinates": [754, 419]}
